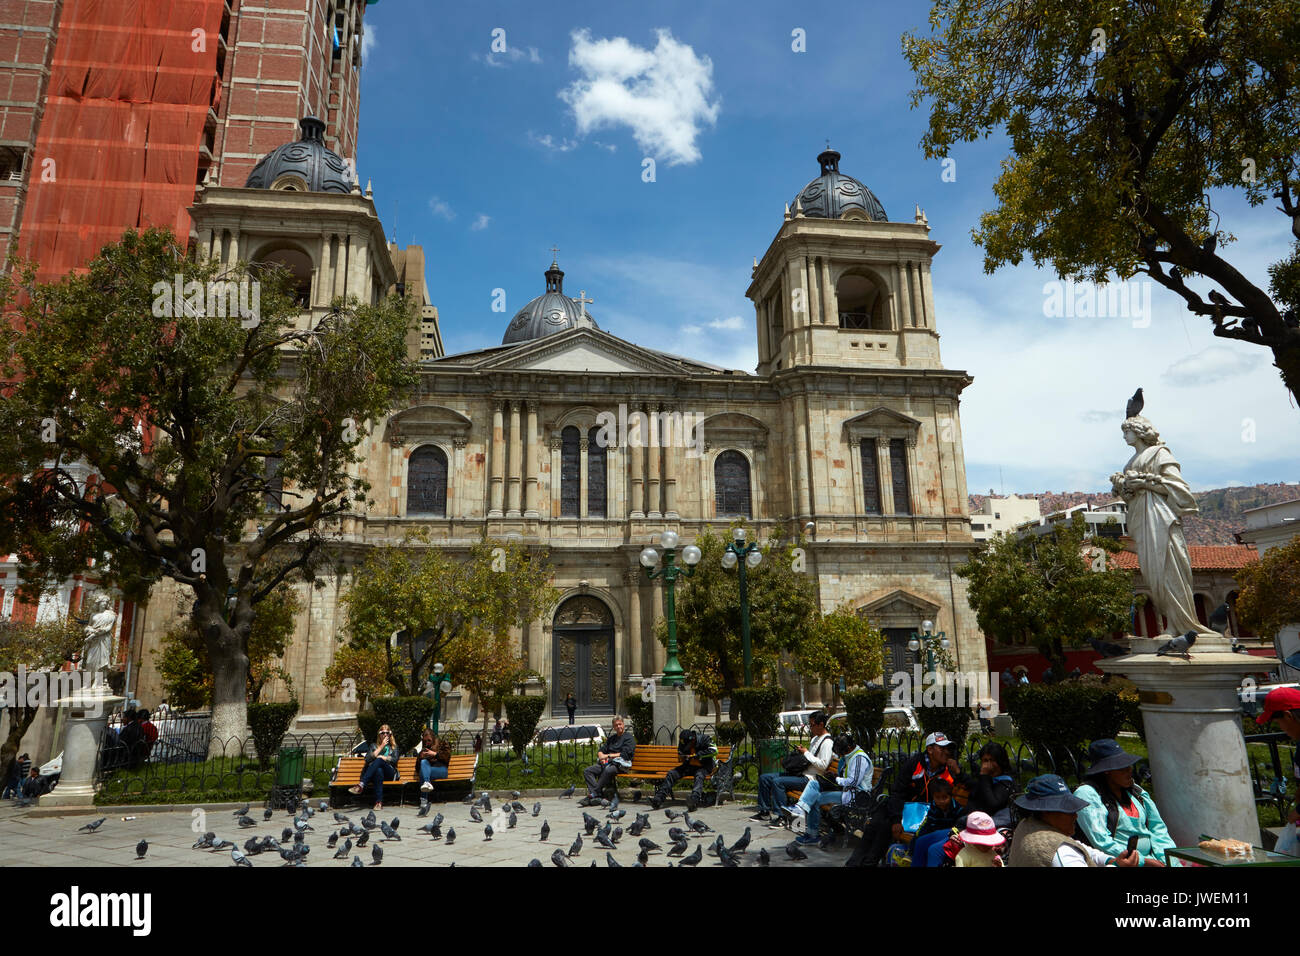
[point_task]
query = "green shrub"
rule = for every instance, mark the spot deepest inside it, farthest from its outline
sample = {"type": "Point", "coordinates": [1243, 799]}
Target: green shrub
{"type": "Point", "coordinates": [269, 723]}
{"type": "Point", "coordinates": [759, 707]}
{"type": "Point", "coordinates": [866, 710]}
{"type": "Point", "coordinates": [730, 732]}
{"type": "Point", "coordinates": [523, 714]}
{"type": "Point", "coordinates": [1063, 717]}
{"type": "Point", "coordinates": [953, 722]}
{"type": "Point", "coordinates": [643, 718]}
{"type": "Point", "coordinates": [406, 716]}
{"type": "Point", "coordinates": [368, 724]}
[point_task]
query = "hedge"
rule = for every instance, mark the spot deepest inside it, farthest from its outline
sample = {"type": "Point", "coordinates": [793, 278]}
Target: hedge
{"type": "Point", "coordinates": [269, 723]}
{"type": "Point", "coordinates": [1063, 717]}
{"type": "Point", "coordinates": [730, 732]}
{"type": "Point", "coordinates": [406, 716]}
{"type": "Point", "coordinates": [368, 724]}
{"type": "Point", "coordinates": [523, 713]}
{"type": "Point", "coordinates": [953, 722]}
{"type": "Point", "coordinates": [759, 707]}
{"type": "Point", "coordinates": [643, 718]}
{"type": "Point", "coordinates": [866, 712]}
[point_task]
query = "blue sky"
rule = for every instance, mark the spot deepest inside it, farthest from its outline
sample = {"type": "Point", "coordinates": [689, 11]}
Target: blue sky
{"type": "Point", "coordinates": [487, 159]}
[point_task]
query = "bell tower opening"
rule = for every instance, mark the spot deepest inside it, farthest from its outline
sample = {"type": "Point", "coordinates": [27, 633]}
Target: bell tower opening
{"type": "Point", "coordinates": [861, 303]}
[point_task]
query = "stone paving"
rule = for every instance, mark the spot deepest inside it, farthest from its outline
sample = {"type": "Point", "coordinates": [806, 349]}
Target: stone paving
{"type": "Point", "coordinates": [35, 837]}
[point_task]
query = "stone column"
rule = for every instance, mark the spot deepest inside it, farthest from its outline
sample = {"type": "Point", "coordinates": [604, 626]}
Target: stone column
{"type": "Point", "coordinates": [918, 307]}
{"type": "Point", "coordinates": [530, 464]}
{"type": "Point", "coordinates": [671, 459]}
{"type": "Point", "coordinates": [927, 291]}
{"type": "Point", "coordinates": [534, 647]}
{"type": "Point", "coordinates": [653, 477]}
{"type": "Point", "coordinates": [636, 453]}
{"type": "Point", "coordinates": [903, 284]}
{"type": "Point", "coordinates": [801, 453]}
{"type": "Point", "coordinates": [234, 247]}
{"type": "Point", "coordinates": [340, 244]}
{"type": "Point", "coordinates": [634, 577]}
{"type": "Point", "coordinates": [395, 459]}
{"type": "Point", "coordinates": [813, 285]}
{"type": "Point", "coordinates": [87, 714]}
{"type": "Point", "coordinates": [830, 308]}
{"type": "Point", "coordinates": [885, 469]}
{"type": "Point", "coordinates": [498, 460]}
{"type": "Point", "coordinates": [515, 470]}
{"type": "Point", "coordinates": [798, 320]}
{"type": "Point", "coordinates": [457, 500]}
{"type": "Point", "coordinates": [582, 476]}
{"type": "Point", "coordinates": [657, 608]}
{"type": "Point", "coordinates": [324, 282]}
{"type": "Point", "coordinates": [556, 447]}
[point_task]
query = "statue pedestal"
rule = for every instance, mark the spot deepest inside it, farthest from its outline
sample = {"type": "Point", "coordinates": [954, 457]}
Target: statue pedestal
{"type": "Point", "coordinates": [1193, 732]}
{"type": "Point", "coordinates": [674, 708]}
{"type": "Point", "coordinates": [87, 714]}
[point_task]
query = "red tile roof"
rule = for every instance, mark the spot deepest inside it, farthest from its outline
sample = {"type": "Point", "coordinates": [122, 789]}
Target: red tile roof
{"type": "Point", "coordinates": [1204, 557]}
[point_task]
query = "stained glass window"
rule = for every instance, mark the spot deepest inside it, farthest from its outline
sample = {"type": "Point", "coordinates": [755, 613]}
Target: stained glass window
{"type": "Point", "coordinates": [570, 464]}
{"type": "Point", "coordinates": [898, 468]}
{"type": "Point", "coordinates": [731, 481]}
{"type": "Point", "coordinates": [595, 475]}
{"type": "Point", "coordinates": [426, 482]}
{"type": "Point", "coordinates": [870, 477]}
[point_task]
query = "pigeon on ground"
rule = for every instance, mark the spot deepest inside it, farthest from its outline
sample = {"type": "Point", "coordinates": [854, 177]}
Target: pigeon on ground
{"type": "Point", "coordinates": [512, 821]}
{"type": "Point", "coordinates": [323, 805]}
{"type": "Point", "coordinates": [252, 846]}
{"type": "Point", "coordinates": [635, 795]}
{"type": "Point", "coordinates": [671, 814]}
{"type": "Point", "coordinates": [141, 849]}
{"type": "Point", "coordinates": [1179, 645]}
{"type": "Point", "coordinates": [1107, 648]}
{"type": "Point", "coordinates": [1134, 406]}
{"type": "Point", "coordinates": [377, 854]}
{"type": "Point", "coordinates": [93, 825]}
{"type": "Point", "coordinates": [266, 814]}
{"type": "Point", "coordinates": [333, 841]}
{"type": "Point", "coordinates": [617, 814]}
{"type": "Point", "coordinates": [764, 858]}
{"type": "Point", "coordinates": [369, 823]}
{"type": "Point", "coordinates": [246, 821]}
{"type": "Point", "coordinates": [365, 836]}
{"type": "Point", "coordinates": [537, 808]}
{"type": "Point", "coordinates": [604, 803]}
{"type": "Point", "coordinates": [1218, 620]}
{"type": "Point", "coordinates": [222, 844]}
{"type": "Point", "coordinates": [487, 832]}
{"type": "Point", "coordinates": [451, 836]}
{"type": "Point", "coordinates": [427, 828]}
{"type": "Point", "coordinates": [636, 828]}
{"type": "Point", "coordinates": [342, 852]}
{"type": "Point", "coordinates": [643, 857]}
{"type": "Point", "coordinates": [604, 841]}
{"type": "Point", "coordinates": [518, 807]}
{"type": "Point", "coordinates": [590, 823]}
{"type": "Point", "coordinates": [679, 848]}
{"type": "Point", "coordinates": [546, 830]}
{"type": "Point", "coordinates": [239, 858]}
{"type": "Point", "coordinates": [487, 803]}
{"type": "Point", "coordinates": [475, 815]}
{"type": "Point", "coordinates": [647, 844]}
{"type": "Point", "coordinates": [286, 835]}
{"type": "Point", "coordinates": [577, 846]}
{"type": "Point", "coordinates": [793, 852]}
{"type": "Point", "coordinates": [611, 862]}
{"type": "Point", "coordinates": [694, 858]}
{"type": "Point", "coordinates": [436, 833]}
{"type": "Point", "coordinates": [716, 846]}
{"type": "Point", "coordinates": [424, 810]}
{"type": "Point", "coordinates": [568, 792]}
{"type": "Point", "coordinates": [340, 818]}
{"type": "Point", "coordinates": [558, 858]}
{"type": "Point", "coordinates": [205, 841]}
{"type": "Point", "coordinates": [726, 857]}
{"type": "Point", "coordinates": [534, 862]}
{"type": "Point", "coordinates": [676, 834]}
{"type": "Point", "coordinates": [699, 826]}
{"type": "Point", "coordinates": [394, 823]}
{"type": "Point", "coordinates": [617, 834]}
{"type": "Point", "coordinates": [613, 804]}
{"type": "Point", "coordinates": [437, 820]}
{"type": "Point", "coordinates": [242, 811]}
{"type": "Point", "coordinates": [743, 843]}
{"type": "Point", "coordinates": [299, 837]}
{"type": "Point", "coordinates": [356, 861]}
{"type": "Point", "coordinates": [389, 833]}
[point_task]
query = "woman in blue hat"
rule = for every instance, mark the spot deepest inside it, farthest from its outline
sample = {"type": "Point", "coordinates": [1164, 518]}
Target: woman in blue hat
{"type": "Point", "coordinates": [1046, 837]}
{"type": "Point", "coordinates": [1118, 808]}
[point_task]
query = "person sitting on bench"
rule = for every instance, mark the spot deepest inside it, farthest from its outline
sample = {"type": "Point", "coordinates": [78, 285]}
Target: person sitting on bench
{"type": "Point", "coordinates": [381, 766]}
{"type": "Point", "coordinates": [614, 756]}
{"type": "Point", "coordinates": [691, 746]}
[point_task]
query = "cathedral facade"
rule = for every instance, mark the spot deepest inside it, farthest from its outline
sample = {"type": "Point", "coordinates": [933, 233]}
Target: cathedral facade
{"type": "Point", "coordinates": [570, 439]}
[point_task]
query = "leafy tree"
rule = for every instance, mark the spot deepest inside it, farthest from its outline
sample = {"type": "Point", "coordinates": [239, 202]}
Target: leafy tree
{"type": "Point", "coordinates": [1122, 118]}
{"type": "Point", "coordinates": [365, 667]}
{"type": "Point", "coordinates": [842, 644]}
{"type": "Point", "coordinates": [34, 646]}
{"type": "Point", "coordinates": [782, 614]}
{"type": "Point", "coordinates": [186, 672]}
{"type": "Point", "coordinates": [1269, 599]}
{"type": "Point", "coordinates": [411, 602]}
{"type": "Point", "coordinates": [1042, 591]}
{"type": "Point", "coordinates": [222, 450]}
{"type": "Point", "coordinates": [488, 666]}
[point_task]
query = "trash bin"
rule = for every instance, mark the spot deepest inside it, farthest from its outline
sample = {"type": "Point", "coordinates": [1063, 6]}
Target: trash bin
{"type": "Point", "coordinates": [291, 763]}
{"type": "Point", "coordinates": [770, 754]}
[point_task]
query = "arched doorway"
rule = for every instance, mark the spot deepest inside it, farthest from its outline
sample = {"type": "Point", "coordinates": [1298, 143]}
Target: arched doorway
{"type": "Point", "coordinates": [583, 636]}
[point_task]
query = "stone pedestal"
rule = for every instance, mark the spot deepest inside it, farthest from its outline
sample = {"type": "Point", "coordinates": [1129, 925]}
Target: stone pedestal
{"type": "Point", "coordinates": [674, 708]}
{"type": "Point", "coordinates": [1193, 732]}
{"type": "Point", "coordinates": [87, 714]}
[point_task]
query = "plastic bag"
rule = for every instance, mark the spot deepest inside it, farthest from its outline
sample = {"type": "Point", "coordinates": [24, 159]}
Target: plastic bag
{"type": "Point", "coordinates": [1288, 842]}
{"type": "Point", "coordinates": [914, 815]}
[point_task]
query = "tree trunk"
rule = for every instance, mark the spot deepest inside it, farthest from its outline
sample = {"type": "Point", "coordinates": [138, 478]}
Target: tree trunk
{"type": "Point", "coordinates": [717, 711]}
{"type": "Point", "coordinates": [18, 726]}
{"type": "Point", "coordinates": [229, 658]}
{"type": "Point", "coordinates": [1287, 360]}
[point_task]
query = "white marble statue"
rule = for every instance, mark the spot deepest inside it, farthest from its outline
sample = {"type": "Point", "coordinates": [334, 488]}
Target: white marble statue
{"type": "Point", "coordinates": [1152, 486]}
{"type": "Point", "coordinates": [98, 653]}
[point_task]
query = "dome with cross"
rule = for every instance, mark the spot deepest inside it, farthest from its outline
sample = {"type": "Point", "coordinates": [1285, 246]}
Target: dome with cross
{"type": "Point", "coordinates": [834, 195]}
{"type": "Point", "coordinates": [550, 312]}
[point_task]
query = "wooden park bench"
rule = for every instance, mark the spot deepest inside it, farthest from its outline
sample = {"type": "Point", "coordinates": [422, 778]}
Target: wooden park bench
{"type": "Point", "coordinates": [461, 769]}
{"type": "Point", "coordinates": [652, 762]}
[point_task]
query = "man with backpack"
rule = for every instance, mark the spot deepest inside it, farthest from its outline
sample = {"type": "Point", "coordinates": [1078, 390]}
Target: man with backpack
{"type": "Point", "coordinates": [799, 768]}
{"type": "Point", "coordinates": [698, 756]}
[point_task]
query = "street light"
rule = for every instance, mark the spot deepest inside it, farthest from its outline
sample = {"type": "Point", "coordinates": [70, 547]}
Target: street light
{"type": "Point", "coordinates": [736, 550]}
{"type": "Point", "coordinates": [674, 676]}
{"type": "Point", "coordinates": [930, 640]}
{"type": "Point", "coordinates": [441, 685]}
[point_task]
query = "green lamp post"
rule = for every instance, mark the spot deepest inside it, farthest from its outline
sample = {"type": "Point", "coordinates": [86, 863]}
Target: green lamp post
{"type": "Point", "coordinates": [742, 555]}
{"type": "Point", "coordinates": [674, 676]}
{"type": "Point", "coordinates": [929, 639]}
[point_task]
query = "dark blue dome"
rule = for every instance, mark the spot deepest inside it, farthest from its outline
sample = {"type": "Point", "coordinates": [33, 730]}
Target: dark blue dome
{"type": "Point", "coordinates": [306, 164]}
{"type": "Point", "coordinates": [833, 195]}
{"type": "Point", "coordinates": [550, 312]}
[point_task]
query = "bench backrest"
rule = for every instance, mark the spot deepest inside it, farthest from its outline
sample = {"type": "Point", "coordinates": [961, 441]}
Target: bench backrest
{"type": "Point", "coordinates": [658, 759]}
{"type": "Point", "coordinates": [460, 767]}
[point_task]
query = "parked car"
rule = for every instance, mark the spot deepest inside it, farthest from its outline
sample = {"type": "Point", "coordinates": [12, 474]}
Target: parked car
{"type": "Point", "coordinates": [570, 733]}
{"type": "Point", "coordinates": [894, 718]}
{"type": "Point", "coordinates": [792, 723]}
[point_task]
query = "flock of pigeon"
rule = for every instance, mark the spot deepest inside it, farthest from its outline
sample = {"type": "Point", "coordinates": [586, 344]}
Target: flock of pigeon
{"type": "Point", "coordinates": [351, 837]}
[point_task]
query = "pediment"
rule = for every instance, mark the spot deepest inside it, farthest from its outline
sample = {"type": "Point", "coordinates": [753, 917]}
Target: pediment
{"type": "Point", "coordinates": [899, 608]}
{"type": "Point", "coordinates": [728, 429]}
{"type": "Point", "coordinates": [421, 422]}
{"type": "Point", "coordinates": [882, 420]}
{"type": "Point", "coordinates": [580, 350]}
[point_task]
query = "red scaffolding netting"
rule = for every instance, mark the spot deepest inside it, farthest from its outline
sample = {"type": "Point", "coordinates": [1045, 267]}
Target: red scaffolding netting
{"type": "Point", "coordinates": [130, 87]}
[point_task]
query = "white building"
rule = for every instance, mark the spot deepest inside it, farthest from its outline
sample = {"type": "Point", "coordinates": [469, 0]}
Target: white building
{"type": "Point", "coordinates": [1273, 526]}
{"type": "Point", "coordinates": [1002, 515]}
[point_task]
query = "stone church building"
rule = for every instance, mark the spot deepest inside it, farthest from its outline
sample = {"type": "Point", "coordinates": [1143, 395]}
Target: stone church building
{"type": "Point", "coordinates": [848, 431]}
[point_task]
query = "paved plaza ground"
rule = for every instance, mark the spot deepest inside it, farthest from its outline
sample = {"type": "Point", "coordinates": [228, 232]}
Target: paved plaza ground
{"type": "Point", "coordinates": [35, 837]}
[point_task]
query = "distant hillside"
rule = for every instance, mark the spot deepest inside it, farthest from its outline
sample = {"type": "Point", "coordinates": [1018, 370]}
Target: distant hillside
{"type": "Point", "coordinates": [1220, 515]}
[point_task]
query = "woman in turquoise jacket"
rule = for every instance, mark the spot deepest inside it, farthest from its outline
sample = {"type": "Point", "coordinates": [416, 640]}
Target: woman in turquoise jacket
{"type": "Point", "coordinates": [1118, 808]}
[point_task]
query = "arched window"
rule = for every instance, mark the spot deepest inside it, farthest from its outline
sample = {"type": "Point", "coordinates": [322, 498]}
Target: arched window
{"type": "Point", "coordinates": [595, 474]}
{"type": "Point", "coordinates": [731, 484]}
{"type": "Point", "coordinates": [861, 304]}
{"type": "Point", "coordinates": [426, 482]}
{"type": "Point", "coordinates": [570, 471]}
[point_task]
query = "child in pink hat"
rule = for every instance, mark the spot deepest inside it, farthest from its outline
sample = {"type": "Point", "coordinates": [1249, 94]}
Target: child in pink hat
{"type": "Point", "coordinates": [980, 840]}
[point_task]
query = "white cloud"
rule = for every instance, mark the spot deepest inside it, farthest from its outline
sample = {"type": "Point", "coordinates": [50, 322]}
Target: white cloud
{"type": "Point", "coordinates": [562, 145]}
{"type": "Point", "coordinates": [481, 222]}
{"type": "Point", "coordinates": [731, 324]}
{"type": "Point", "coordinates": [367, 42]}
{"type": "Point", "coordinates": [1213, 364]}
{"type": "Point", "coordinates": [662, 95]}
{"type": "Point", "coordinates": [512, 54]}
{"type": "Point", "coordinates": [440, 208]}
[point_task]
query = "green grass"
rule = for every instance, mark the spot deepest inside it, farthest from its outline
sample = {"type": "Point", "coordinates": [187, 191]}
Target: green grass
{"type": "Point", "coordinates": [222, 780]}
